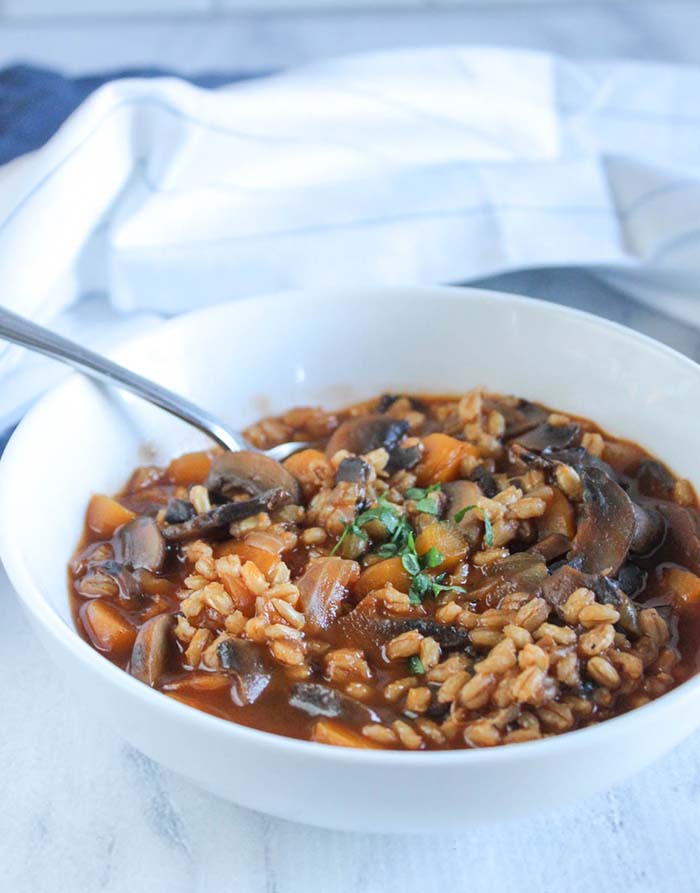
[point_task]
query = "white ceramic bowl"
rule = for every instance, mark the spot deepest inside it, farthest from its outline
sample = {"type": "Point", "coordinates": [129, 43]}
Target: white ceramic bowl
{"type": "Point", "coordinates": [253, 357]}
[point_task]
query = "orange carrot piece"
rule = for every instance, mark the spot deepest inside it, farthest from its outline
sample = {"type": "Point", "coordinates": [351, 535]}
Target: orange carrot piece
{"type": "Point", "coordinates": [105, 515]}
{"type": "Point", "coordinates": [684, 587]}
{"type": "Point", "coordinates": [447, 539]}
{"type": "Point", "coordinates": [378, 575]}
{"type": "Point", "coordinates": [326, 731]}
{"type": "Point", "coordinates": [442, 458]}
{"type": "Point", "coordinates": [190, 468]}
{"type": "Point", "coordinates": [108, 629]}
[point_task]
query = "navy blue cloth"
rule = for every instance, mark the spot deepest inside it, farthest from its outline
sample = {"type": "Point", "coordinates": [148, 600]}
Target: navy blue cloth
{"type": "Point", "coordinates": [34, 102]}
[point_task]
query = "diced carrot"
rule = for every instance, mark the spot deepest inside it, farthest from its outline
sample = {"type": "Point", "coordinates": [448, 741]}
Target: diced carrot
{"type": "Point", "coordinates": [260, 557]}
{"type": "Point", "coordinates": [105, 515]}
{"type": "Point", "coordinates": [447, 539]}
{"type": "Point", "coordinates": [559, 517]}
{"type": "Point", "coordinates": [378, 575]}
{"type": "Point", "coordinates": [312, 469]}
{"type": "Point", "coordinates": [442, 458]}
{"type": "Point", "coordinates": [107, 627]}
{"type": "Point", "coordinates": [683, 585]}
{"type": "Point", "coordinates": [326, 731]}
{"type": "Point", "coordinates": [190, 468]}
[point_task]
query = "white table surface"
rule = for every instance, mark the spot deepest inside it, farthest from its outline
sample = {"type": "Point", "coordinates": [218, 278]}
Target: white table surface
{"type": "Point", "coordinates": [82, 811]}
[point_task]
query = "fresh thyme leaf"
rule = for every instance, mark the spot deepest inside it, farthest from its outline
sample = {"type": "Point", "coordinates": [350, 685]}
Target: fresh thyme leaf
{"type": "Point", "coordinates": [488, 535]}
{"type": "Point", "coordinates": [387, 550]}
{"type": "Point", "coordinates": [462, 512]}
{"type": "Point", "coordinates": [349, 528]}
{"type": "Point", "coordinates": [437, 588]}
{"type": "Point", "coordinates": [410, 563]}
{"type": "Point", "coordinates": [420, 586]}
{"type": "Point", "coordinates": [427, 505]}
{"type": "Point", "coordinates": [415, 666]}
{"type": "Point", "coordinates": [432, 558]}
{"type": "Point", "coordinates": [421, 492]}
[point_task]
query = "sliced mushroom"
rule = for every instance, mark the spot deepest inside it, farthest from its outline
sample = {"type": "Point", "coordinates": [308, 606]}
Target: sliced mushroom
{"type": "Point", "coordinates": [149, 658]}
{"type": "Point", "coordinates": [122, 576]}
{"type": "Point", "coordinates": [323, 588]}
{"type": "Point", "coordinates": [317, 700]}
{"type": "Point", "coordinates": [606, 526]}
{"type": "Point", "coordinates": [402, 458]}
{"type": "Point", "coordinates": [655, 479]}
{"type": "Point", "coordinates": [353, 470]}
{"type": "Point", "coordinates": [551, 437]}
{"type": "Point", "coordinates": [552, 546]}
{"type": "Point", "coordinates": [522, 417]}
{"type": "Point", "coordinates": [246, 662]}
{"type": "Point", "coordinates": [631, 579]}
{"type": "Point", "coordinates": [222, 515]}
{"type": "Point", "coordinates": [683, 538]}
{"type": "Point", "coordinates": [371, 633]}
{"type": "Point", "coordinates": [179, 510]}
{"type": "Point", "coordinates": [649, 530]}
{"type": "Point", "coordinates": [486, 481]}
{"type": "Point", "coordinates": [460, 495]}
{"type": "Point", "coordinates": [579, 459]}
{"type": "Point", "coordinates": [141, 545]}
{"type": "Point", "coordinates": [251, 472]}
{"type": "Point", "coordinates": [557, 588]}
{"type": "Point", "coordinates": [362, 435]}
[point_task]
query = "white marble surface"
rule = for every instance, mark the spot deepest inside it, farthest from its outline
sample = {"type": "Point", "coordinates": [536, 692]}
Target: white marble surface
{"type": "Point", "coordinates": [82, 811]}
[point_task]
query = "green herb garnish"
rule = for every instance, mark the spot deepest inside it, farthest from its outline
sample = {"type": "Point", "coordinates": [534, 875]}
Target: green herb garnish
{"type": "Point", "coordinates": [427, 505]}
{"type": "Point", "coordinates": [415, 666]}
{"type": "Point", "coordinates": [402, 544]}
{"type": "Point", "coordinates": [488, 535]}
{"type": "Point", "coordinates": [432, 557]}
{"type": "Point", "coordinates": [462, 512]}
{"type": "Point", "coordinates": [421, 492]}
{"type": "Point", "coordinates": [411, 563]}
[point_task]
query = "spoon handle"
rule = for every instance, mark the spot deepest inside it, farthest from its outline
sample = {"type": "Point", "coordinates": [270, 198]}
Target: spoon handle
{"type": "Point", "coordinates": [21, 331]}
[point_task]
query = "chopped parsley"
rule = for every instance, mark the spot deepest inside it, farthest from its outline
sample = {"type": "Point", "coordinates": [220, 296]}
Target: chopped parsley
{"type": "Point", "coordinates": [418, 493]}
{"type": "Point", "coordinates": [488, 534]}
{"type": "Point", "coordinates": [462, 512]}
{"type": "Point", "coordinates": [415, 666]}
{"type": "Point", "coordinates": [402, 543]}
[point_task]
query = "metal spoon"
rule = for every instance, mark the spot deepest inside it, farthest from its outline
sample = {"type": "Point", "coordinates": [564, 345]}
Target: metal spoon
{"type": "Point", "coordinates": [20, 331]}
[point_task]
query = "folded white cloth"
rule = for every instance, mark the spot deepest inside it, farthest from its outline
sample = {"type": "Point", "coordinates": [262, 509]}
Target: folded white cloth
{"type": "Point", "coordinates": [435, 165]}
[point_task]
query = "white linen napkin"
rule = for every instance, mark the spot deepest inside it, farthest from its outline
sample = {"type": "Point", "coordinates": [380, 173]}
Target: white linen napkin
{"type": "Point", "coordinates": [434, 165]}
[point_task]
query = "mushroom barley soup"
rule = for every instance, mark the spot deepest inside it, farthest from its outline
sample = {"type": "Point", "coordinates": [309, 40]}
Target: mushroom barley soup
{"type": "Point", "coordinates": [439, 573]}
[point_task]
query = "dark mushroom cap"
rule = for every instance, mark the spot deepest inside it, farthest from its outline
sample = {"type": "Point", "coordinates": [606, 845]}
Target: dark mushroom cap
{"type": "Point", "coordinates": [606, 526]}
{"type": "Point", "coordinates": [246, 662]}
{"type": "Point", "coordinates": [353, 470]}
{"type": "Point", "coordinates": [221, 516]}
{"type": "Point", "coordinates": [316, 699]}
{"type": "Point", "coordinates": [551, 437]}
{"type": "Point", "coordinates": [368, 433]}
{"type": "Point", "coordinates": [251, 472]}
{"type": "Point", "coordinates": [140, 544]}
{"type": "Point", "coordinates": [149, 657]}
{"type": "Point", "coordinates": [522, 417]}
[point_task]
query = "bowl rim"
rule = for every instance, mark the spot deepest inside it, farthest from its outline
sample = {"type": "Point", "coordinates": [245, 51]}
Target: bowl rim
{"type": "Point", "coordinates": [29, 593]}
